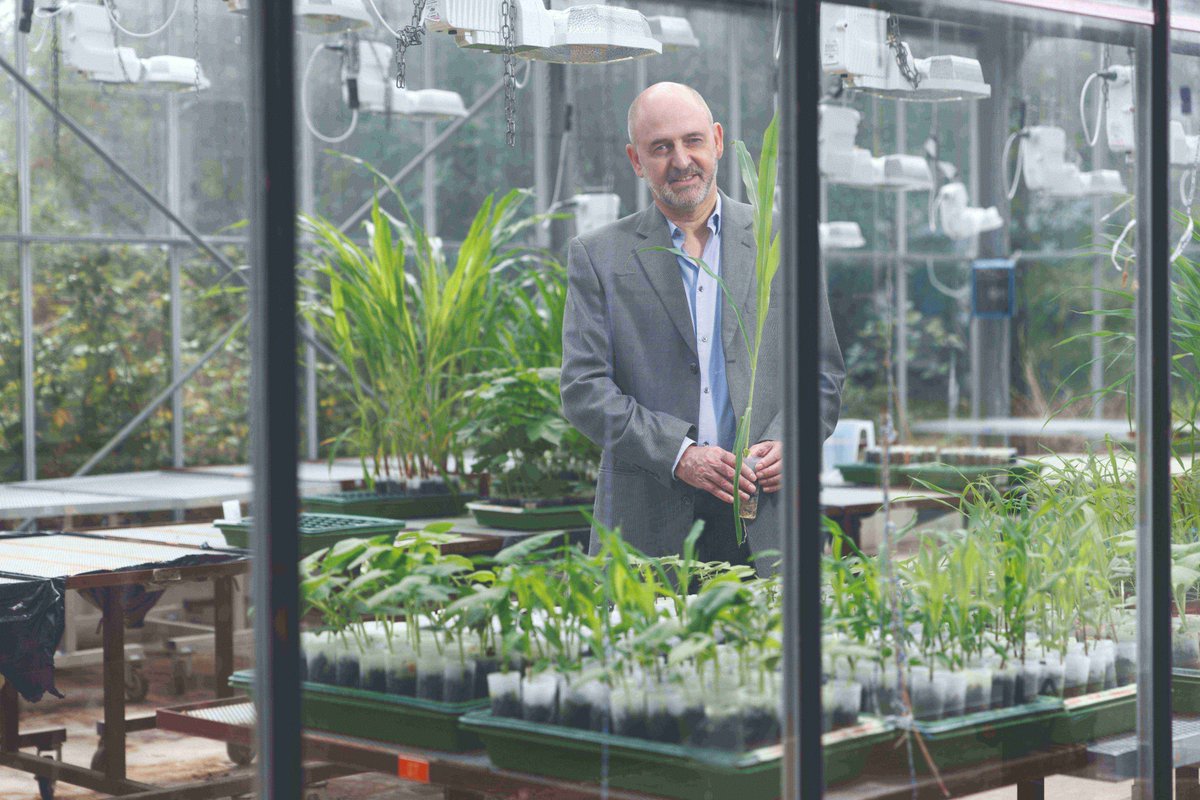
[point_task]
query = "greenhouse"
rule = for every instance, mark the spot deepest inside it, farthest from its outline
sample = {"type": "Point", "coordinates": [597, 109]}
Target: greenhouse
{"type": "Point", "coordinates": [573, 399]}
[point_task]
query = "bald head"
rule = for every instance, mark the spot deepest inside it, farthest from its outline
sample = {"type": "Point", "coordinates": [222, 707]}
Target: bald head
{"type": "Point", "coordinates": [664, 96]}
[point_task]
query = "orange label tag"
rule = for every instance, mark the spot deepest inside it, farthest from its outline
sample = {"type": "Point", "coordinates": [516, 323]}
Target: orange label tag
{"type": "Point", "coordinates": [412, 769]}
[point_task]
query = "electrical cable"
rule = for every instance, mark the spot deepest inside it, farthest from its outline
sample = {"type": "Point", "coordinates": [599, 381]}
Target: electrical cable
{"type": "Point", "coordinates": [1112, 256]}
{"type": "Point", "coordinates": [1011, 186]}
{"type": "Point", "coordinates": [304, 104]}
{"type": "Point", "coordinates": [525, 77]}
{"type": "Point", "coordinates": [37, 48]}
{"type": "Point", "coordinates": [395, 33]}
{"type": "Point", "coordinates": [1094, 136]}
{"type": "Point", "coordinates": [957, 294]}
{"type": "Point", "coordinates": [113, 17]}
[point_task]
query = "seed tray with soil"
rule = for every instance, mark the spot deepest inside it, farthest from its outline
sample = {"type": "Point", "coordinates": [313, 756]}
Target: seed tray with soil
{"type": "Point", "coordinates": [395, 501]}
{"type": "Point", "coordinates": [317, 531]}
{"type": "Point", "coordinates": [517, 514]}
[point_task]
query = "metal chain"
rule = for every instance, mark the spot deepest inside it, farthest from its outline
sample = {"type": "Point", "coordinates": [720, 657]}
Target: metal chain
{"type": "Point", "coordinates": [510, 73]}
{"type": "Point", "coordinates": [196, 40]}
{"type": "Point", "coordinates": [907, 68]}
{"type": "Point", "coordinates": [116, 45]}
{"type": "Point", "coordinates": [1104, 65]}
{"type": "Point", "coordinates": [411, 35]}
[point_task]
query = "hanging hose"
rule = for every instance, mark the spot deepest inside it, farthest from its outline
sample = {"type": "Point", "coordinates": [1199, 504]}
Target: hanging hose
{"type": "Point", "coordinates": [304, 104]}
{"type": "Point", "coordinates": [1010, 186]}
{"type": "Point", "coordinates": [395, 33]}
{"type": "Point", "coordinates": [113, 17]}
{"type": "Point", "coordinates": [525, 75]}
{"type": "Point", "coordinates": [1094, 136]}
{"type": "Point", "coordinates": [1112, 256]}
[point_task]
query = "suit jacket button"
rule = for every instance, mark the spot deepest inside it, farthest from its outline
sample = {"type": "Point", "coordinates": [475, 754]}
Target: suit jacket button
{"type": "Point", "coordinates": [694, 367]}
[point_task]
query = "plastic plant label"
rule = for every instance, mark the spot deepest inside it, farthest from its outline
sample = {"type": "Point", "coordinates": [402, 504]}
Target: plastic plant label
{"type": "Point", "coordinates": [412, 769]}
{"type": "Point", "coordinates": [232, 510]}
{"type": "Point", "coordinates": [1099, 697]}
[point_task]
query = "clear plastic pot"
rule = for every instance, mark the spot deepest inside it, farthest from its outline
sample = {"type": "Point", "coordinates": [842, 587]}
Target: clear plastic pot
{"type": "Point", "coordinates": [749, 508]}
{"type": "Point", "coordinates": [628, 705]}
{"type": "Point", "coordinates": [539, 697]}
{"type": "Point", "coordinates": [574, 707]}
{"type": "Point", "coordinates": [927, 694]}
{"type": "Point", "coordinates": [504, 690]}
{"type": "Point", "coordinates": [458, 680]}
{"type": "Point", "coordinates": [374, 671]}
{"type": "Point", "coordinates": [1185, 650]}
{"type": "Point", "coordinates": [1029, 680]}
{"type": "Point", "coordinates": [979, 689]}
{"type": "Point", "coordinates": [1125, 662]}
{"type": "Point", "coordinates": [1100, 665]}
{"type": "Point", "coordinates": [1076, 666]}
{"type": "Point", "coordinates": [954, 699]}
{"type": "Point", "coordinates": [847, 700]}
{"type": "Point", "coordinates": [1004, 685]}
{"type": "Point", "coordinates": [866, 674]}
{"type": "Point", "coordinates": [431, 670]}
{"type": "Point", "coordinates": [401, 670]}
{"type": "Point", "coordinates": [1051, 683]}
{"type": "Point", "coordinates": [349, 670]}
{"type": "Point", "coordinates": [662, 707]}
{"type": "Point", "coordinates": [322, 664]}
{"type": "Point", "coordinates": [723, 728]}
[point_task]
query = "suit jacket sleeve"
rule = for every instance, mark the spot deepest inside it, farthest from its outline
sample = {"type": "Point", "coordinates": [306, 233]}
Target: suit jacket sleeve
{"type": "Point", "coordinates": [592, 400]}
{"type": "Point", "coordinates": [833, 375]}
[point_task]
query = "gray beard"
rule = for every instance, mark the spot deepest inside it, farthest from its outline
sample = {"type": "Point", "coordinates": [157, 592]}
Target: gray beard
{"type": "Point", "coordinates": [673, 200]}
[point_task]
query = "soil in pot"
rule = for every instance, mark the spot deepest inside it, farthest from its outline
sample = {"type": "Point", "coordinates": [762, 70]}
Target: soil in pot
{"type": "Point", "coordinates": [629, 713]}
{"type": "Point", "coordinates": [1185, 650]}
{"type": "Point", "coordinates": [1004, 686]}
{"type": "Point", "coordinates": [431, 670]}
{"type": "Point", "coordinates": [375, 671]}
{"type": "Point", "coordinates": [321, 665]}
{"type": "Point", "coordinates": [575, 707]}
{"type": "Point", "coordinates": [1125, 663]}
{"type": "Point", "coordinates": [401, 671]}
{"type": "Point", "coordinates": [1029, 679]}
{"type": "Point", "coordinates": [1051, 681]}
{"type": "Point", "coordinates": [723, 727]}
{"type": "Point", "coordinates": [954, 702]}
{"type": "Point", "coordinates": [539, 698]}
{"type": "Point", "coordinates": [599, 698]}
{"type": "Point", "coordinates": [662, 722]}
{"type": "Point", "coordinates": [1100, 664]}
{"type": "Point", "coordinates": [349, 668]}
{"type": "Point", "coordinates": [847, 699]}
{"type": "Point", "coordinates": [979, 689]}
{"type": "Point", "coordinates": [504, 689]}
{"type": "Point", "coordinates": [458, 680]}
{"type": "Point", "coordinates": [1076, 666]}
{"type": "Point", "coordinates": [928, 695]}
{"type": "Point", "coordinates": [483, 667]}
{"type": "Point", "coordinates": [866, 674]}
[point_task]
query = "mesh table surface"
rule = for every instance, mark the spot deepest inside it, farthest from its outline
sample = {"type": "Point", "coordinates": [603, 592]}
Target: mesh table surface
{"type": "Point", "coordinates": [62, 555]}
{"type": "Point", "coordinates": [22, 501]}
{"type": "Point", "coordinates": [193, 534]}
{"type": "Point", "coordinates": [239, 714]}
{"type": "Point", "coordinates": [176, 487]}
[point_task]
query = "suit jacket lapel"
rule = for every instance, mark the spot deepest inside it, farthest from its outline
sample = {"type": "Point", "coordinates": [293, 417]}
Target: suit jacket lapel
{"type": "Point", "coordinates": [662, 270]}
{"type": "Point", "coordinates": [737, 271]}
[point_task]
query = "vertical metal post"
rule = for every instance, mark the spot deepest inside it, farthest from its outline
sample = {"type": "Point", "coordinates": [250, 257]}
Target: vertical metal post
{"type": "Point", "coordinates": [112, 621]}
{"type": "Point", "coordinates": [902, 280]}
{"type": "Point", "coordinates": [1153, 411]}
{"type": "Point", "coordinates": [640, 81]}
{"type": "Point", "coordinates": [429, 177]}
{"type": "Point", "coordinates": [802, 768]}
{"type": "Point", "coordinates": [308, 205]}
{"type": "Point", "coordinates": [735, 105]}
{"type": "Point", "coordinates": [542, 175]}
{"type": "Point", "coordinates": [25, 261]}
{"type": "Point", "coordinates": [174, 202]}
{"type": "Point", "coordinates": [273, 418]}
{"type": "Point", "coordinates": [1096, 372]}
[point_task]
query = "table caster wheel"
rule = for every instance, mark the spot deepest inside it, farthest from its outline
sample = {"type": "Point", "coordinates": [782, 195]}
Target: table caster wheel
{"type": "Point", "coordinates": [99, 759]}
{"type": "Point", "coordinates": [45, 788]}
{"type": "Point", "coordinates": [240, 754]}
{"type": "Point", "coordinates": [136, 685]}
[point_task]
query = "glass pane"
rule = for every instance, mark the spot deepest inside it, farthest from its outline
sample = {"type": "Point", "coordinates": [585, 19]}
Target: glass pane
{"type": "Point", "coordinates": [981, 288]}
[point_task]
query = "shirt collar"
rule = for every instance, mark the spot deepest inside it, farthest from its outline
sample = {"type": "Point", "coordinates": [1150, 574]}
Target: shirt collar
{"type": "Point", "coordinates": [714, 222]}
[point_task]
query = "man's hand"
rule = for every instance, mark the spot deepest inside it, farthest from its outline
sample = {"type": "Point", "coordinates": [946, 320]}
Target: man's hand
{"type": "Point", "coordinates": [711, 469]}
{"type": "Point", "coordinates": [770, 469]}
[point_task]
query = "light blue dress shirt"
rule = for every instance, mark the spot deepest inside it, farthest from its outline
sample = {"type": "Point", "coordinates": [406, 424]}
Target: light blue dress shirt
{"type": "Point", "coordinates": [717, 424]}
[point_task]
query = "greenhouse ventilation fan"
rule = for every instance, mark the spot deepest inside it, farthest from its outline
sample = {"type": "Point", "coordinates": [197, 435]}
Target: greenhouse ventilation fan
{"type": "Point", "coordinates": [863, 45]}
{"type": "Point", "coordinates": [585, 34]}
{"type": "Point", "coordinates": [844, 164]}
{"type": "Point", "coordinates": [87, 46]}
{"type": "Point", "coordinates": [377, 92]}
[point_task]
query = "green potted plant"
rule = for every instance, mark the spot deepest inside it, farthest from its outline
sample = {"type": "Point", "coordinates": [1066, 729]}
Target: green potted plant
{"type": "Point", "coordinates": [410, 330]}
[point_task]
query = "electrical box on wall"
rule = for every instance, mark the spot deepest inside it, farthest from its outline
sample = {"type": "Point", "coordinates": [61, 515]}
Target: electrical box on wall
{"type": "Point", "coordinates": [993, 288]}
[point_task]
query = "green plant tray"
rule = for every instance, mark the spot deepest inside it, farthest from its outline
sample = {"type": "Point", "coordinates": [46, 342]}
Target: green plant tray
{"type": "Point", "coordinates": [939, 476]}
{"type": "Point", "coordinates": [1185, 691]}
{"type": "Point", "coordinates": [381, 717]}
{"type": "Point", "coordinates": [317, 531]}
{"type": "Point", "coordinates": [390, 506]}
{"type": "Point", "coordinates": [1095, 716]}
{"type": "Point", "coordinates": [515, 518]}
{"type": "Point", "coordinates": [666, 770]}
{"type": "Point", "coordinates": [1002, 733]}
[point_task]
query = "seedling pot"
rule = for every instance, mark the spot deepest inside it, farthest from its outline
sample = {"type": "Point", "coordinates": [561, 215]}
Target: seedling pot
{"type": "Point", "coordinates": [504, 691]}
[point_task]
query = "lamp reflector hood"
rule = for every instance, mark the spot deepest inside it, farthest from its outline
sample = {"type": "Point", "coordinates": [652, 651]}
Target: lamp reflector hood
{"type": "Point", "coordinates": [840, 236]}
{"type": "Point", "coordinates": [331, 16]}
{"type": "Point", "coordinates": [674, 33]}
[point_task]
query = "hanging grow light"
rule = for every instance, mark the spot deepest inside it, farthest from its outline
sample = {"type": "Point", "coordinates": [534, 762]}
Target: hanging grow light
{"type": "Point", "coordinates": [844, 164]}
{"type": "Point", "coordinates": [674, 33]}
{"type": "Point", "coordinates": [174, 72]}
{"type": "Point", "coordinates": [1119, 120]}
{"type": "Point", "coordinates": [88, 46]}
{"type": "Point", "coordinates": [331, 16]}
{"type": "Point", "coordinates": [863, 45]}
{"type": "Point", "coordinates": [586, 34]}
{"type": "Point", "coordinates": [959, 219]}
{"type": "Point", "coordinates": [840, 236]}
{"type": "Point", "coordinates": [377, 94]}
{"type": "Point", "coordinates": [1045, 168]}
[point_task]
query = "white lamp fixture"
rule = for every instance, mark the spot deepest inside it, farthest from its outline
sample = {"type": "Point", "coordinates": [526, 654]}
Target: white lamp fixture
{"type": "Point", "coordinates": [674, 33]}
{"type": "Point", "coordinates": [238, 6]}
{"type": "Point", "coordinates": [959, 219]}
{"type": "Point", "coordinates": [1119, 121]}
{"type": "Point", "coordinates": [377, 94]}
{"type": "Point", "coordinates": [1183, 146]}
{"type": "Point", "coordinates": [87, 46]}
{"type": "Point", "coordinates": [844, 164]}
{"type": "Point", "coordinates": [331, 16]}
{"type": "Point", "coordinates": [840, 236]}
{"type": "Point", "coordinates": [1045, 167]}
{"type": "Point", "coordinates": [174, 72]}
{"type": "Point", "coordinates": [585, 34]}
{"type": "Point", "coordinates": [594, 210]}
{"type": "Point", "coordinates": [855, 44]}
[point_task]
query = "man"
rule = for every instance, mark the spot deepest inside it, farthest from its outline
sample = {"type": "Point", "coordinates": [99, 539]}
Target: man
{"type": "Point", "coordinates": [655, 369]}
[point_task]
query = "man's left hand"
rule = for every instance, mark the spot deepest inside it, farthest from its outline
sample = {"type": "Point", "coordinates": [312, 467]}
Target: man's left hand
{"type": "Point", "coordinates": [770, 469]}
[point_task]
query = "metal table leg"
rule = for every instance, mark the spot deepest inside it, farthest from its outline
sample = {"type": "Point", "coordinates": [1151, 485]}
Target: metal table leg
{"type": "Point", "coordinates": [223, 635]}
{"type": "Point", "coordinates": [113, 741]}
{"type": "Point", "coordinates": [1032, 789]}
{"type": "Point", "coordinates": [10, 719]}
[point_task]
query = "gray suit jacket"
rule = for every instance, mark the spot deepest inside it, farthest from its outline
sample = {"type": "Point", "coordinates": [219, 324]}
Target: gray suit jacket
{"type": "Point", "coordinates": [631, 377]}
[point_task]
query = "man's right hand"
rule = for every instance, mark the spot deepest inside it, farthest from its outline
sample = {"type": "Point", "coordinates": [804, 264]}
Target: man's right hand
{"type": "Point", "coordinates": [711, 469]}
